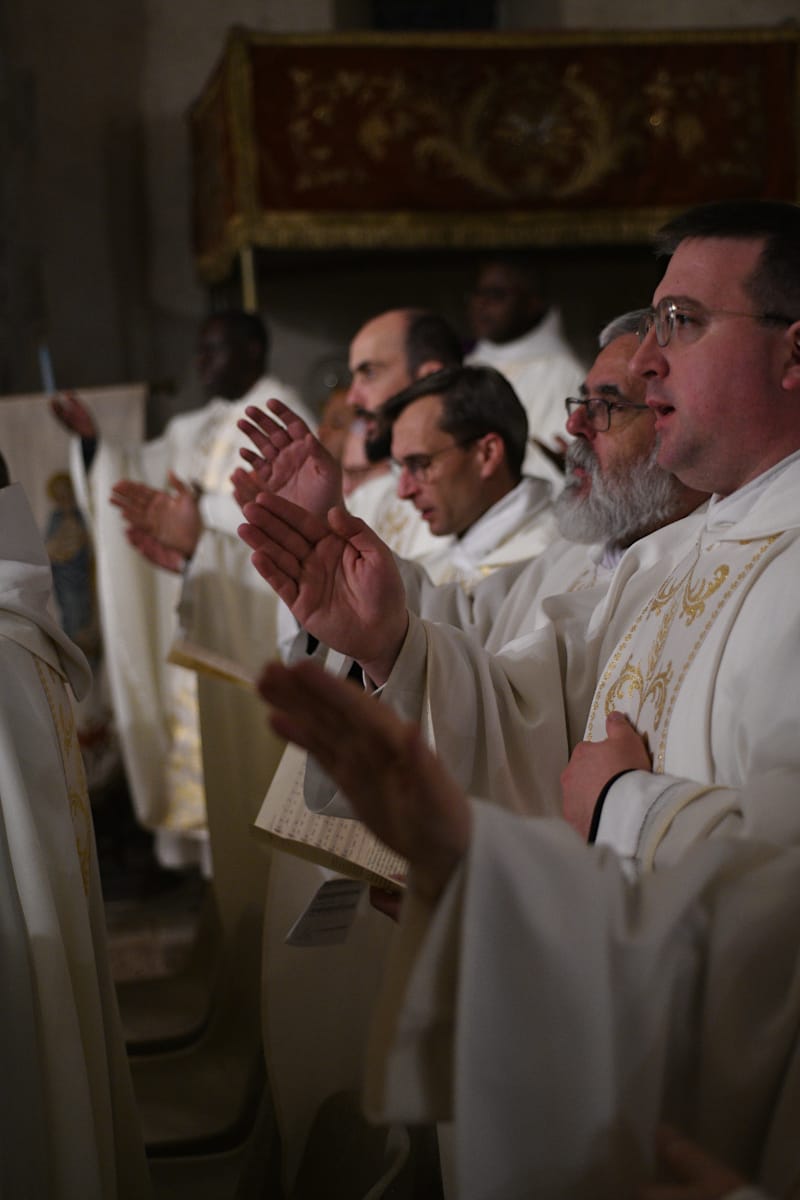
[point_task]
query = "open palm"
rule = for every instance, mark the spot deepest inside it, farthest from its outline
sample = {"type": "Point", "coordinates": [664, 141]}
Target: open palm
{"type": "Point", "coordinates": [290, 461]}
{"type": "Point", "coordinates": [172, 517]}
{"type": "Point", "coordinates": [394, 782]}
{"type": "Point", "coordinates": [337, 576]}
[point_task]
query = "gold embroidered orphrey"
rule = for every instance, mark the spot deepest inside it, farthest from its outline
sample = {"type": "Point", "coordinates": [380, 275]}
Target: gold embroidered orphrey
{"type": "Point", "coordinates": [644, 677]}
{"type": "Point", "coordinates": [74, 775]}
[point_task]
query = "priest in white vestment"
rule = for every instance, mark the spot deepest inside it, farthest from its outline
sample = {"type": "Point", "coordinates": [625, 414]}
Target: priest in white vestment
{"type": "Point", "coordinates": [458, 440]}
{"type": "Point", "coordinates": [556, 1009]}
{"type": "Point", "coordinates": [155, 703]}
{"type": "Point", "coordinates": [522, 338]}
{"type": "Point", "coordinates": [69, 1127]}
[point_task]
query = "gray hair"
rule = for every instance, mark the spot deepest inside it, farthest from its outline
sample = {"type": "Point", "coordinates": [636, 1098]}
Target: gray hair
{"type": "Point", "coordinates": [627, 323]}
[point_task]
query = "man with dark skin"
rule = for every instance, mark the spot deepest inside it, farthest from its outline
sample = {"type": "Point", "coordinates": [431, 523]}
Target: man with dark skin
{"type": "Point", "coordinates": [177, 487]}
{"type": "Point", "coordinates": [231, 360]}
{"type": "Point", "coordinates": [520, 334]}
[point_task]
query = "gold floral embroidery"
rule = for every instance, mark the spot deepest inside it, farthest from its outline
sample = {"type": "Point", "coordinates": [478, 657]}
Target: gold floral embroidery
{"type": "Point", "coordinates": [694, 598]}
{"type": "Point", "coordinates": [652, 689]}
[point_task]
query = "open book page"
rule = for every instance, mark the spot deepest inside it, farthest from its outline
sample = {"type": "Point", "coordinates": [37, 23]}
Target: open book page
{"type": "Point", "coordinates": [344, 845]}
{"type": "Point", "coordinates": [185, 653]}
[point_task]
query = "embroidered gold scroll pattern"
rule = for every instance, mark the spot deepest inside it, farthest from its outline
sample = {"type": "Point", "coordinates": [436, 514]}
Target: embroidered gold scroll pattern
{"type": "Point", "coordinates": [656, 684]}
{"type": "Point", "coordinates": [659, 753]}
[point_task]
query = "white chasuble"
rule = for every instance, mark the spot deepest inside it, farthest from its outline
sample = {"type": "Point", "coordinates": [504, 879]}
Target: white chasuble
{"type": "Point", "coordinates": [69, 1125]}
{"type": "Point", "coordinates": [155, 703]}
{"type": "Point", "coordinates": [559, 1011]}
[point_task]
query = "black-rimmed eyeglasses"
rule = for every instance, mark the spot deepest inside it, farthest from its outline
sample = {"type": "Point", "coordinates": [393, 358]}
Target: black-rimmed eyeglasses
{"type": "Point", "coordinates": [599, 412]}
{"type": "Point", "coordinates": [418, 466]}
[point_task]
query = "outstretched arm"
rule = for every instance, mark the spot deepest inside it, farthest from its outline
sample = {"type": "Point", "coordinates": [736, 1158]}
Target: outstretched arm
{"type": "Point", "coordinates": [290, 461]}
{"type": "Point", "coordinates": [171, 518]}
{"type": "Point", "coordinates": [73, 414]}
{"type": "Point", "coordinates": [396, 785]}
{"type": "Point", "coordinates": [336, 576]}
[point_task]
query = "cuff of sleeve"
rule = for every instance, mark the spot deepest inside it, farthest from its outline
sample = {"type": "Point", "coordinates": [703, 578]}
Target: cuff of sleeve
{"type": "Point", "coordinates": [220, 512]}
{"type": "Point", "coordinates": [405, 684]}
{"type": "Point", "coordinates": [625, 809]}
{"type": "Point", "coordinates": [600, 802]}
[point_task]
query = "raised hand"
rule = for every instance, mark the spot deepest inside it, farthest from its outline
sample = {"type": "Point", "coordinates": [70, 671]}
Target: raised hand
{"type": "Point", "coordinates": [337, 577]}
{"type": "Point", "coordinates": [171, 517]}
{"type": "Point", "coordinates": [290, 461]}
{"type": "Point", "coordinates": [395, 784]}
{"type": "Point", "coordinates": [73, 414]}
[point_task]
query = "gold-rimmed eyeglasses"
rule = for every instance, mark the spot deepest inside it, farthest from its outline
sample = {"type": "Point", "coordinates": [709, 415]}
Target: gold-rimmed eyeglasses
{"type": "Point", "coordinates": [688, 322]}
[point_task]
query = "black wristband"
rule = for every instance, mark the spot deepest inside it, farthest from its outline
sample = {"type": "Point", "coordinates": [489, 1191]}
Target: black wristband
{"type": "Point", "coordinates": [601, 799]}
{"type": "Point", "coordinates": [88, 451]}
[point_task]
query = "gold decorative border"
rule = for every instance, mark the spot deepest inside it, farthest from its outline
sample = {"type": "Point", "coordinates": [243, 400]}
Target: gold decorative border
{"type": "Point", "coordinates": [409, 231]}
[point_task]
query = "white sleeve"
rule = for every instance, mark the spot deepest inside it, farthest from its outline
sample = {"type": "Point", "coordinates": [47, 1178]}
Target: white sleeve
{"type": "Point", "coordinates": [502, 723]}
{"type": "Point", "coordinates": [656, 818]}
{"type": "Point", "coordinates": [560, 1011]}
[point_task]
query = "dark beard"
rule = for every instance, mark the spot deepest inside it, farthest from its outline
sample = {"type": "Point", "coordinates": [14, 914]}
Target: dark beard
{"type": "Point", "coordinates": [379, 447]}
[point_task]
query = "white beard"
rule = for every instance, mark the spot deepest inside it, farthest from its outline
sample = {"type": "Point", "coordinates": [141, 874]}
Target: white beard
{"type": "Point", "coordinates": [620, 506]}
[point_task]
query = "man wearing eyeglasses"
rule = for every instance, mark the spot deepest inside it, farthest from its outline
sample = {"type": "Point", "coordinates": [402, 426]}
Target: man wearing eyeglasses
{"type": "Point", "coordinates": [458, 441]}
